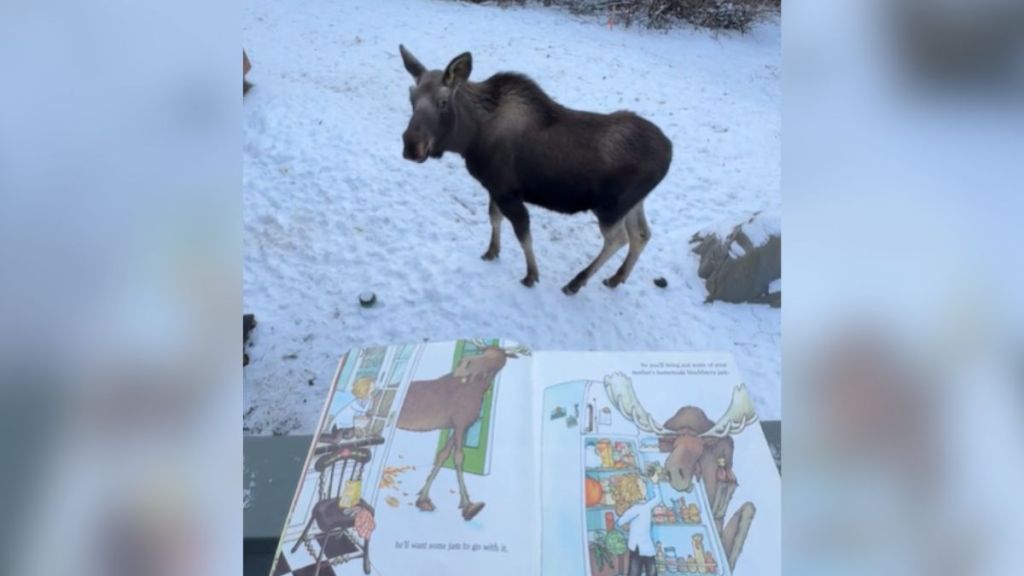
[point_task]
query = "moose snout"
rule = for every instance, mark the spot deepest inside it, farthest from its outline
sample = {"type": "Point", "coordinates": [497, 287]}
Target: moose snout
{"type": "Point", "coordinates": [414, 148]}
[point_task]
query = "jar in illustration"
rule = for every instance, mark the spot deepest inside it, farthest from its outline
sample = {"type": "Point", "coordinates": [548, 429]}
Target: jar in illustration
{"type": "Point", "coordinates": [698, 551]}
{"type": "Point", "coordinates": [709, 561]}
{"type": "Point", "coordinates": [671, 562]}
{"type": "Point", "coordinates": [604, 451]}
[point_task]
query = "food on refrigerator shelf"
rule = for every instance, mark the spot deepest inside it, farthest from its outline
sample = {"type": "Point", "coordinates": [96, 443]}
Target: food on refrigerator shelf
{"type": "Point", "coordinates": [615, 541]}
{"type": "Point", "coordinates": [671, 560]}
{"type": "Point", "coordinates": [663, 515]}
{"type": "Point", "coordinates": [626, 491]}
{"type": "Point", "coordinates": [694, 513]}
{"type": "Point", "coordinates": [608, 499]}
{"type": "Point", "coordinates": [604, 450]}
{"type": "Point", "coordinates": [709, 561]}
{"type": "Point", "coordinates": [593, 492]}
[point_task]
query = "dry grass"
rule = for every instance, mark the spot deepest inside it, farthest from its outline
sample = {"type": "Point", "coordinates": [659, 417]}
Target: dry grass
{"type": "Point", "coordinates": [713, 14]}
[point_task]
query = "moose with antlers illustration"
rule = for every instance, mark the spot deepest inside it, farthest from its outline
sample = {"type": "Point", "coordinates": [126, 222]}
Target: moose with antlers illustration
{"type": "Point", "coordinates": [697, 448]}
{"type": "Point", "coordinates": [452, 402]}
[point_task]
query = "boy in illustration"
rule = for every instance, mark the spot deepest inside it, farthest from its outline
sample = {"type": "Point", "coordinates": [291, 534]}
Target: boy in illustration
{"type": "Point", "coordinates": [352, 419]}
{"type": "Point", "coordinates": [638, 516]}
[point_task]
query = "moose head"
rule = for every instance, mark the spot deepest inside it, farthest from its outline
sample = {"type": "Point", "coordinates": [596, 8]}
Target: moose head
{"type": "Point", "coordinates": [488, 363]}
{"type": "Point", "coordinates": [694, 443]}
{"type": "Point", "coordinates": [432, 127]}
{"type": "Point", "coordinates": [692, 451]}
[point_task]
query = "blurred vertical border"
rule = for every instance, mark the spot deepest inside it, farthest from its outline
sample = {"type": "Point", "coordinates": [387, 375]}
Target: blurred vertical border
{"type": "Point", "coordinates": [120, 275]}
{"type": "Point", "coordinates": [903, 348]}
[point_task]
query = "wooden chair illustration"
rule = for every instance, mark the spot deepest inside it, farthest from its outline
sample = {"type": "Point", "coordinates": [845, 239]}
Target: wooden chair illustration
{"type": "Point", "coordinates": [341, 507]}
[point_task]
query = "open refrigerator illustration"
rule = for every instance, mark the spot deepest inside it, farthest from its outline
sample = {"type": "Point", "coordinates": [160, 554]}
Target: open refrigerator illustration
{"type": "Point", "coordinates": [615, 467]}
{"type": "Point", "coordinates": [641, 475]}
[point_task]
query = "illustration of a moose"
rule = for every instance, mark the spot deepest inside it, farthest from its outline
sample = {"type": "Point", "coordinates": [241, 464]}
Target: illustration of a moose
{"type": "Point", "coordinates": [698, 447]}
{"type": "Point", "coordinates": [452, 402]}
{"type": "Point", "coordinates": [525, 148]}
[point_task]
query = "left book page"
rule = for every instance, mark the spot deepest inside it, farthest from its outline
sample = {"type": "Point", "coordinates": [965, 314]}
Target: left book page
{"type": "Point", "coordinates": [421, 464]}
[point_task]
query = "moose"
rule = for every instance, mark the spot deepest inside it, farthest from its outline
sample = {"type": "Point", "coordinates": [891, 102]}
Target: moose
{"type": "Point", "coordinates": [697, 448]}
{"type": "Point", "coordinates": [525, 148]}
{"type": "Point", "coordinates": [452, 402]}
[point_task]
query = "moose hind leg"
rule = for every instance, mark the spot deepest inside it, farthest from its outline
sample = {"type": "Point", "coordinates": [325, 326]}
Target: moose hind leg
{"type": "Point", "coordinates": [614, 239]}
{"type": "Point", "coordinates": [423, 501]}
{"type": "Point", "coordinates": [495, 246]}
{"type": "Point", "coordinates": [639, 234]}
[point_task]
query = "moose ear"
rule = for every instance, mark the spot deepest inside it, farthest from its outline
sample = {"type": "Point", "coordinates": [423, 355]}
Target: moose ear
{"type": "Point", "coordinates": [458, 69]}
{"type": "Point", "coordinates": [411, 63]}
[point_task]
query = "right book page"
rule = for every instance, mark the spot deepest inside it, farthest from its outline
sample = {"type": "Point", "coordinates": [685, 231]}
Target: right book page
{"type": "Point", "coordinates": [653, 463]}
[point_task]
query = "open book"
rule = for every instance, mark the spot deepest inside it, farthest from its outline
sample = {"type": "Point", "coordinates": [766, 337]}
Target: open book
{"type": "Point", "coordinates": [484, 457]}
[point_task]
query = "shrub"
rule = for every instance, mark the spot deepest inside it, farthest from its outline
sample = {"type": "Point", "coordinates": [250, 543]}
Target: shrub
{"type": "Point", "coordinates": [714, 14]}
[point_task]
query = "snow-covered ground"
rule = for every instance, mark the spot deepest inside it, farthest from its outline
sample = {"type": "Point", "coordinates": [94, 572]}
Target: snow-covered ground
{"type": "Point", "coordinates": [331, 209]}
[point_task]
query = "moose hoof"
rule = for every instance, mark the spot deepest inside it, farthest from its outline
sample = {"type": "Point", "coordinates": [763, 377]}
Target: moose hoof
{"type": "Point", "coordinates": [573, 286]}
{"type": "Point", "coordinates": [470, 511]}
{"type": "Point", "coordinates": [612, 281]}
{"type": "Point", "coordinates": [490, 255]}
{"type": "Point", "coordinates": [529, 280]}
{"type": "Point", "coordinates": [425, 504]}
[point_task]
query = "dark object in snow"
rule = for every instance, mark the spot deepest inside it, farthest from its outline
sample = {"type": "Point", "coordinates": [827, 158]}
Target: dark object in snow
{"type": "Point", "coordinates": [367, 299]}
{"type": "Point", "coordinates": [557, 413]}
{"type": "Point", "coordinates": [741, 266]}
{"type": "Point", "coordinates": [246, 66]}
{"type": "Point", "coordinates": [248, 323]}
{"type": "Point", "coordinates": [661, 282]}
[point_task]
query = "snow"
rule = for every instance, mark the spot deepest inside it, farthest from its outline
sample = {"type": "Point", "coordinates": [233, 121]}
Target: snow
{"type": "Point", "coordinates": [736, 251]}
{"type": "Point", "coordinates": [758, 228]}
{"type": "Point", "coordinates": [332, 210]}
{"type": "Point", "coordinates": [762, 226]}
{"type": "Point", "coordinates": [775, 287]}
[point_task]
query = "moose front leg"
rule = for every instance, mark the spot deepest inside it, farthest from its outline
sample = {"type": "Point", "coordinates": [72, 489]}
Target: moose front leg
{"type": "Point", "coordinates": [495, 246]}
{"type": "Point", "coordinates": [734, 534]}
{"type": "Point", "coordinates": [469, 508]}
{"type": "Point", "coordinates": [423, 501]}
{"type": "Point", "coordinates": [517, 214]}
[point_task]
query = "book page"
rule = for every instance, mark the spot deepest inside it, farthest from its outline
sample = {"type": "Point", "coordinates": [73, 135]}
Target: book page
{"type": "Point", "coordinates": [418, 466]}
{"type": "Point", "coordinates": [653, 463]}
